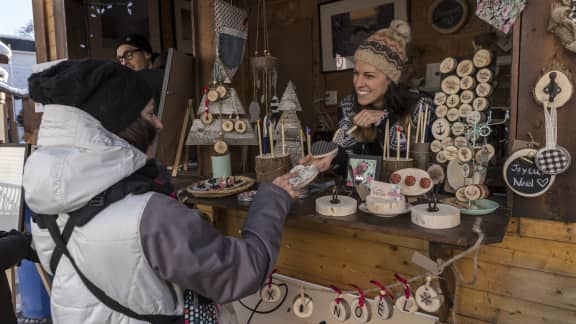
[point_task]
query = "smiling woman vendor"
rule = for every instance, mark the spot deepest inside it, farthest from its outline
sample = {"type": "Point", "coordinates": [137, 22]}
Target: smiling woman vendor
{"type": "Point", "coordinates": [377, 97]}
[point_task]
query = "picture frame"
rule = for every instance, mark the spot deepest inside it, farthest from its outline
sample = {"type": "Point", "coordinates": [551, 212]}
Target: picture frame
{"type": "Point", "coordinates": [12, 159]}
{"type": "Point", "coordinates": [448, 16]}
{"type": "Point", "coordinates": [345, 24]}
{"type": "Point", "coordinates": [364, 168]}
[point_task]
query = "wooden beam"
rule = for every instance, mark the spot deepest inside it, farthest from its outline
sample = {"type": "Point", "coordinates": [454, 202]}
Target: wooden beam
{"type": "Point", "coordinates": [40, 30]}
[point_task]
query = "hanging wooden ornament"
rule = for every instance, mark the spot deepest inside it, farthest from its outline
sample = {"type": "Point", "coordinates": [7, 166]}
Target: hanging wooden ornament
{"type": "Point", "coordinates": [428, 298]}
{"type": "Point", "coordinates": [271, 292]}
{"type": "Point", "coordinates": [222, 91]}
{"type": "Point", "coordinates": [206, 118]}
{"type": "Point", "coordinates": [339, 307]}
{"type": "Point", "coordinates": [553, 90]}
{"type": "Point", "coordinates": [523, 176]}
{"type": "Point", "coordinates": [405, 303]}
{"type": "Point", "coordinates": [384, 307]}
{"type": "Point", "coordinates": [220, 147]}
{"type": "Point", "coordinates": [227, 125]}
{"type": "Point", "coordinates": [303, 306]}
{"type": "Point", "coordinates": [361, 311]}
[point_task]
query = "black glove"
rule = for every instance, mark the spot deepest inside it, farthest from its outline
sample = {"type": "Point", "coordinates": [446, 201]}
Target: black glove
{"type": "Point", "coordinates": [15, 246]}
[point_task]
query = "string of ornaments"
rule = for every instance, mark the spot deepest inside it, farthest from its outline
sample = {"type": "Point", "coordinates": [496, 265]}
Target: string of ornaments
{"type": "Point", "coordinates": [428, 297]}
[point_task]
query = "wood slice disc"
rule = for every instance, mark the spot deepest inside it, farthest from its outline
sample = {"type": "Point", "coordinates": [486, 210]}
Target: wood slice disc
{"type": "Point", "coordinates": [482, 58]}
{"type": "Point", "coordinates": [206, 118]}
{"type": "Point", "coordinates": [448, 141]}
{"type": "Point", "coordinates": [450, 85]}
{"type": "Point", "coordinates": [464, 68]}
{"type": "Point", "coordinates": [439, 98]}
{"type": "Point", "coordinates": [340, 310]}
{"type": "Point", "coordinates": [453, 101]}
{"type": "Point", "coordinates": [361, 314]}
{"type": "Point", "coordinates": [441, 111]}
{"type": "Point", "coordinates": [563, 82]}
{"type": "Point", "coordinates": [467, 83]}
{"type": "Point", "coordinates": [441, 157]}
{"type": "Point", "coordinates": [270, 293]}
{"type": "Point", "coordinates": [227, 126]}
{"type": "Point", "coordinates": [472, 192]}
{"type": "Point", "coordinates": [465, 154]}
{"type": "Point", "coordinates": [406, 305]}
{"type": "Point", "coordinates": [305, 175]}
{"type": "Point", "coordinates": [240, 126]}
{"type": "Point", "coordinates": [220, 147]}
{"type": "Point", "coordinates": [465, 110]}
{"type": "Point", "coordinates": [343, 207]}
{"type": "Point", "coordinates": [212, 95]}
{"type": "Point", "coordinates": [451, 152]}
{"type": "Point", "coordinates": [485, 154]}
{"type": "Point", "coordinates": [384, 308]}
{"type": "Point", "coordinates": [467, 96]}
{"type": "Point", "coordinates": [484, 75]}
{"type": "Point", "coordinates": [448, 65]}
{"type": "Point", "coordinates": [460, 194]}
{"type": "Point", "coordinates": [222, 91]}
{"type": "Point", "coordinates": [453, 114]}
{"type": "Point", "coordinates": [460, 141]}
{"type": "Point", "coordinates": [475, 117]}
{"type": "Point", "coordinates": [435, 146]}
{"type": "Point", "coordinates": [428, 298]}
{"type": "Point", "coordinates": [458, 128]}
{"type": "Point", "coordinates": [303, 307]}
{"type": "Point", "coordinates": [485, 191]}
{"type": "Point", "coordinates": [441, 128]}
{"type": "Point", "coordinates": [483, 89]}
{"type": "Point", "coordinates": [480, 104]}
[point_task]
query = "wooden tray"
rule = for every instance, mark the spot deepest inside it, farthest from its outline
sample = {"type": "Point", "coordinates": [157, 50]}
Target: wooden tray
{"type": "Point", "coordinates": [242, 184]}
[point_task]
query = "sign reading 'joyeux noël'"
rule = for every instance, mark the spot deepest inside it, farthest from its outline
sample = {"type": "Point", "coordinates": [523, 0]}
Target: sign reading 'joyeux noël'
{"type": "Point", "coordinates": [523, 176]}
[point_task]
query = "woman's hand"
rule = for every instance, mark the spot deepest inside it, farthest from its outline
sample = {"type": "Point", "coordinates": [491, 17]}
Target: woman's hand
{"type": "Point", "coordinates": [368, 117]}
{"type": "Point", "coordinates": [322, 164]}
{"type": "Point", "coordinates": [282, 182]}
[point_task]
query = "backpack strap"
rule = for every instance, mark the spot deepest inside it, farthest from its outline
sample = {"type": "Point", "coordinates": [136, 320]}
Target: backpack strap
{"type": "Point", "coordinates": [54, 231]}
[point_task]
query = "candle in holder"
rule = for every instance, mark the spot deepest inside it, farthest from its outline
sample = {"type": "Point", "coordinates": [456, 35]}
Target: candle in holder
{"type": "Point", "coordinates": [283, 142]}
{"type": "Point", "coordinates": [408, 140]}
{"type": "Point", "coordinates": [259, 136]}
{"type": "Point", "coordinates": [309, 140]}
{"type": "Point", "coordinates": [397, 142]}
{"type": "Point", "coordinates": [271, 137]}
{"type": "Point", "coordinates": [301, 143]}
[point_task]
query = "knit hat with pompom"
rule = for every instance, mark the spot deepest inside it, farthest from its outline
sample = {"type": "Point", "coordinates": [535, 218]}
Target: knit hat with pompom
{"type": "Point", "coordinates": [386, 49]}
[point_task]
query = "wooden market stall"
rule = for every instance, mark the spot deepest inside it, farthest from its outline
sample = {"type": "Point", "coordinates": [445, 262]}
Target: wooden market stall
{"type": "Point", "coordinates": [526, 269]}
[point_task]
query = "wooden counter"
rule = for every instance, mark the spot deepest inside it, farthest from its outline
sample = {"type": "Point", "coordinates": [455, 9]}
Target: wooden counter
{"type": "Point", "coordinates": [303, 212]}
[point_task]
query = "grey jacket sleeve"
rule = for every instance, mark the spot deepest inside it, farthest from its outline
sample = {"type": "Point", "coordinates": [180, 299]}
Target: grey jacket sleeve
{"type": "Point", "coordinates": [186, 250]}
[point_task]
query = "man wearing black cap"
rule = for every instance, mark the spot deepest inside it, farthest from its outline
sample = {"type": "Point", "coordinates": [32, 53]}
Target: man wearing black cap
{"type": "Point", "coordinates": [135, 52]}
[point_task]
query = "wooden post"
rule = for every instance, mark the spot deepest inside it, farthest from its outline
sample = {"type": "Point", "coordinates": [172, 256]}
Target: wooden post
{"type": "Point", "coordinates": [182, 137]}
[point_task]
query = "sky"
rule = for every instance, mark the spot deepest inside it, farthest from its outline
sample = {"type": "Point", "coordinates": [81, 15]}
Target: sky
{"type": "Point", "coordinates": [14, 14]}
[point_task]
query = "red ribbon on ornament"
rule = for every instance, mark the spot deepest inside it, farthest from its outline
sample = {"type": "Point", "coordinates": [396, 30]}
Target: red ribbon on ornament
{"type": "Point", "coordinates": [405, 284]}
{"type": "Point", "coordinates": [205, 95]}
{"type": "Point", "coordinates": [270, 278]}
{"type": "Point", "coordinates": [383, 290]}
{"type": "Point", "coordinates": [339, 292]}
{"type": "Point", "coordinates": [361, 293]}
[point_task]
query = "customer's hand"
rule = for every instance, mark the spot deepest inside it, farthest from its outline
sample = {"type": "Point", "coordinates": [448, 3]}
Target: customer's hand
{"type": "Point", "coordinates": [322, 164]}
{"type": "Point", "coordinates": [368, 117]}
{"type": "Point", "coordinates": [282, 182]}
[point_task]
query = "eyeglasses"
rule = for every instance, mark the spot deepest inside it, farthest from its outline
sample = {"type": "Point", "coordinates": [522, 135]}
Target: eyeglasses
{"type": "Point", "coordinates": [128, 55]}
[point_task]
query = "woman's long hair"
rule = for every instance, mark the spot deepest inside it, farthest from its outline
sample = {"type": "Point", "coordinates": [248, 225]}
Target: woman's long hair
{"type": "Point", "coordinates": [398, 100]}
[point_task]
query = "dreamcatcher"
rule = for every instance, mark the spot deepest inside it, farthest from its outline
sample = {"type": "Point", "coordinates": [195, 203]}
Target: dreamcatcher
{"type": "Point", "coordinates": [264, 70]}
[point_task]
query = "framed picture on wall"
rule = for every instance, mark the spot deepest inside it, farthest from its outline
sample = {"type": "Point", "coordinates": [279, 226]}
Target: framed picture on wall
{"type": "Point", "coordinates": [363, 169]}
{"type": "Point", "coordinates": [345, 24]}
